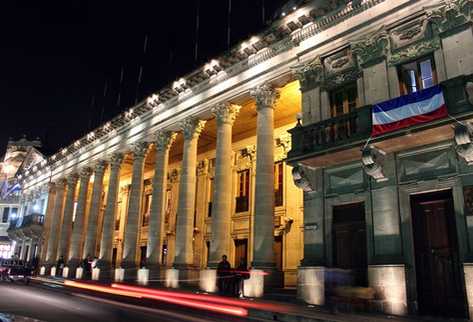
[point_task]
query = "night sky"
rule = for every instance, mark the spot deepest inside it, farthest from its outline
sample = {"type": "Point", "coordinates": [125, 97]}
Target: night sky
{"type": "Point", "coordinates": [57, 56]}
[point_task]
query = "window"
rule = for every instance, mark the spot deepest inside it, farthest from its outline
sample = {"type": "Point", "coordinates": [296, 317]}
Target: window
{"type": "Point", "coordinates": [243, 191]}
{"type": "Point", "coordinates": [278, 183]}
{"type": "Point", "coordinates": [343, 100]}
{"type": "Point", "coordinates": [417, 75]}
{"type": "Point", "coordinates": [211, 197]}
{"type": "Point", "coordinates": [164, 253]}
{"type": "Point", "coordinates": [146, 210]}
{"type": "Point", "coordinates": [6, 213]}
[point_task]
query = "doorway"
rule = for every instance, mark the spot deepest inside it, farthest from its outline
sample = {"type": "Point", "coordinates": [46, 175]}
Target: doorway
{"type": "Point", "coordinates": [438, 268]}
{"type": "Point", "coordinates": [349, 242]}
{"type": "Point", "coordinates": [241, 251]}
{"type": "Point", "coordinates": [278, 251]}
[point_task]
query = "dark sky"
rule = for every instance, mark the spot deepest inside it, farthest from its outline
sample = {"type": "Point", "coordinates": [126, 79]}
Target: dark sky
{"type": "Point", "coordinates": [56, 56]}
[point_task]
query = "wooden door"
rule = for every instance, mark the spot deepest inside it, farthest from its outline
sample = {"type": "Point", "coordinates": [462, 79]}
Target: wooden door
{"type": "Point", "coordinates": [438, 268]}
{"type": "Point", "coordinates": [241, 251]}
{"type": "Point", "coordinates": [349, 241]}
{"type": "Point", "coordinates": [278, 252]}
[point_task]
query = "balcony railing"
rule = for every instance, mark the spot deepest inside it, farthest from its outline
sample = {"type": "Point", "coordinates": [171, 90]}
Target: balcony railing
{"type": "Point", "coordinates": [26, 221]}
{"type": "Point", "coordinates": [351, 129]}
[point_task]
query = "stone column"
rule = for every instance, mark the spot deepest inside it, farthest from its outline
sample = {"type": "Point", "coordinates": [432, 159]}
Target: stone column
{"type": "Point", "coordinates": [78, 229]}
{"type": "Point", "coordinates": [134, 209]}
{"type": "Point", "coordinates": [109, 217]}
{"type": "Point", "coordinates": [95, 205]}
{"type": "Point", "coordinates": [66, 227]}
{"type": "Point", "coordinates": [222, 198]}
{"type": "Point", "coordinates": [185, 211]}
{"type": "Point", "coordinates": [56, 214]}
{"type": "Point", "coordinates": [164, 141]}
{"type": "Point", "coordinates": [263, 229]}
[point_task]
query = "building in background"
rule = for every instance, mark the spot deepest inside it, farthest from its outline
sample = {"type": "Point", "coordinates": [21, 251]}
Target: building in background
{"type": "Point", "coordinates": [369, 198]}
{"type": "Point", "coordinates": [20, 156]}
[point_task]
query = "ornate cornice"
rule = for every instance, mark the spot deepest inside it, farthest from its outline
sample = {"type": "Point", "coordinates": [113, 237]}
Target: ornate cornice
{"type": "Point", "coordinates": [416, 50]}
{"type": "Point", "coordinates": [371, 49]}
{"type": "Point", "coordinates": [265, 96]}
{"type": "Point", "coordinates": [164, 140]}
{"type": "Point", "coordinates": [226, 113]}
{"type": "Point", "coordinates": [192, 127]}
{"type": "Point", "coordinates": [452, 15]}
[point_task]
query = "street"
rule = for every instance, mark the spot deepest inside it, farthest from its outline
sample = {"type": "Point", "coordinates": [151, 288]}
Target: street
{"type": "Point", "coordinates": [50, 305]}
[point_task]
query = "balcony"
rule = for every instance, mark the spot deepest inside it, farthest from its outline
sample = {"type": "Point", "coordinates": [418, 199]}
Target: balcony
{"type": "Point", "coordinates": [30, 226]}
{"type": "Point", "coordinates": [339, 139]}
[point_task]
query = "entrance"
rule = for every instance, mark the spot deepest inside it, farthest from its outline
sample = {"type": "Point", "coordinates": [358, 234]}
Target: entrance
{"type": "Point", "coordinates": [438, 268]}
{"type": "Point", "coordinates": [349, 241]}
{"type": "Point", "coordinates": [241, 251]}
{"type": "Point", "coordinates": [278, 249]}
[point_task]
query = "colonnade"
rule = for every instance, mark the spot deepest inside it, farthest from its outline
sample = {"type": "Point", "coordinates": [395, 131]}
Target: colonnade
{"type": "Point", "coordinates": [73, 241]}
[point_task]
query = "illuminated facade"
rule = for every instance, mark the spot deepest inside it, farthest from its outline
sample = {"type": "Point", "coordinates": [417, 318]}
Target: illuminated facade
{"type": "Point", "coordinates": [206, 167]}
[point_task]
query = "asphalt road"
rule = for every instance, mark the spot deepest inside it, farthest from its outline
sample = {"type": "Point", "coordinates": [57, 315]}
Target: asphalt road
{"type": "Point", "coordinates": [53, 305]}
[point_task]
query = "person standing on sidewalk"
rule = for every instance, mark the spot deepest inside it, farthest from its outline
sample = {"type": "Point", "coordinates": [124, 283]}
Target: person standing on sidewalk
{"type": "Point", "coordinates": [223, 275]}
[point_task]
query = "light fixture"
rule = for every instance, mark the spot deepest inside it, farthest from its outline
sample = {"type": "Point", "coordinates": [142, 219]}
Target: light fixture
{"type": "Point", "coordinates": [90, 136]}
{"type": "Point", "coordinates": [283, 14]}
{"type": "Point", "coordinates": [153, 100]}
{"type": "Point", "coordinates": [64, 151]}
{"type": "Point", "coordinates": [77, 143]}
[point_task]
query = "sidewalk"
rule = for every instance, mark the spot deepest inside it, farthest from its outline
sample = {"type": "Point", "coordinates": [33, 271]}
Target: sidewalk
{"type": "Point", "coordinates": [278, 306]}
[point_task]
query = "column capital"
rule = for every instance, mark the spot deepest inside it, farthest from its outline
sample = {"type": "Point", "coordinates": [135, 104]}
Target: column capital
{"type": "Point", "coordinates": [72, 180]}
{"type": "Point", "coordinates": [85, 173]}
{"type": "Point", "coordinates": [139, 149]}
{"type": "Point", "coordinates": [226, 113]}
{"type": "Point", "coordinates": [164, 140]}
{"type": "Point", "coordinates": [116, 160]}
{"type": "Point", "coordinates": [265, 96]}
{"type": "Point", "coordinates": [100, 167]}
{"type": "Point", "coordinates": [192, 127]}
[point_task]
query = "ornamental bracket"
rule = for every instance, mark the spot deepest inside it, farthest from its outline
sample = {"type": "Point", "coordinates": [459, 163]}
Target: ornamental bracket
{"type": "Point", "coordinates": [372, 159]}
{"type": "Point", "coordinates": [464, 142]}
{"type": "Point", "coordinates": [301, 179]}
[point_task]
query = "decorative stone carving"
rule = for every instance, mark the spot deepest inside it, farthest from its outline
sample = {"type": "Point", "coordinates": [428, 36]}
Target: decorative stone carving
{"type": "Point", "coordinates": [371, 49]}
{"type": "Point", "coordinates": [85, 173]}
{"type": "Point", "coordinates": [173, 176]}
{"type": "Point", "coordinates": [116, 160]}
{"type": "Point", "coordinates": [72, 181]}
{"type": "Point", "coordinates": [450, 16]}
{"type": "Point", "coordinates": [164, 140]}
{"type": "Point", "coordinates": [339, 62]}
{"type": "Point", "coordinates": [464, 142]}
{"type": "Point", "coordinates": [409, 33]}
{"type": "Point", "coordinates": [414, 51]}
{"type": "Point", "coordinates": [100, 167]}
{"type": "Point", "coordinates": [301, 180]}
{"type": "Point", "coordinates": [245, 158]}
{"type": "Point", "coordinates": [226, 112]}
{"type": "Point", "coordinates": [203, 167]}
{"type": "Point", "coordinates": [372, 159]}
{"type": "Point", "coordinates": [283, 146]}
{"type": "Point", "coordinates": [265, 96]}
{"type": "Point", "coordinates": [192, 127]}
{"type": "Point", "coordinates": [140, 149]}
{"type": "Point", "coordinates": [310, 75]}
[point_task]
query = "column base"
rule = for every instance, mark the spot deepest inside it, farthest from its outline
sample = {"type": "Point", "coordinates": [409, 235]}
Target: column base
{"type": "Point", "coordinates": [65, 272]}
{"type": "Point", "coordinates": [95, 274]}
{"type": "Point", "coordinates": [263, 278]}
{"type": "Point", "coordinates": [208, 280]}
{"type": "Point", "coordinates": [143, 276]}
{"type": "Point", "coordinates": [119, 275]}
{"type": "Point", "coordinates": [389, 283]}
{"type": "Point", "coordinates": [52, 273]}
{"type": "Point", "coordinates": [79, 273]}
{"type": "Point", "coordinates": [42, 271]}
{"type": "Point", "coordinates": [311, 284]}
{"type": "Point", "coordinates": [172, 278]}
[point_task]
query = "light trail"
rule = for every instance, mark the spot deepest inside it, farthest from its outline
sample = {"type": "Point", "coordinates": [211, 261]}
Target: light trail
{"type": "Point", "coordinates": [206, 298]}
{"type": "Point", "coordinates": [202, 305]}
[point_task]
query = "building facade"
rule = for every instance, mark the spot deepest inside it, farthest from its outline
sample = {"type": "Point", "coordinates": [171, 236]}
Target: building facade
{"type": "Point", "coordinates": [206, 167]}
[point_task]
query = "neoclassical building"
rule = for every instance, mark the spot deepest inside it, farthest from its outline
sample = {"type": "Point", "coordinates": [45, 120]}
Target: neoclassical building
{"type": "Point", "coordinates": [271, 154]}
